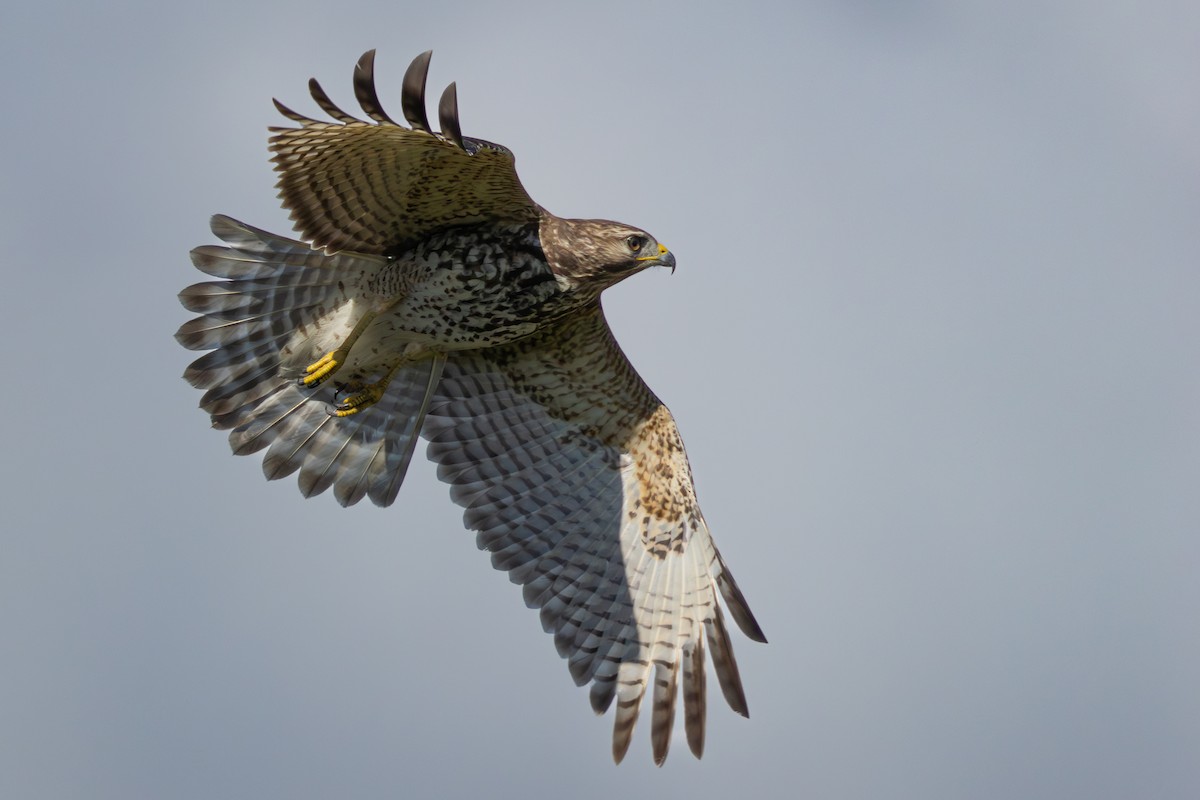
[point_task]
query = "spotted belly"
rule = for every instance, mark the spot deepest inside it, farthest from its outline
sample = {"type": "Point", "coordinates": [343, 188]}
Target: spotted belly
{"type": "Point", "coordinates": [456, 292]}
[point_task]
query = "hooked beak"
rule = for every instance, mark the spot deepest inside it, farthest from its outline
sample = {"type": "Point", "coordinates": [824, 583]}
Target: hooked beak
{"type": "Point", "coordinates": [665, 258]}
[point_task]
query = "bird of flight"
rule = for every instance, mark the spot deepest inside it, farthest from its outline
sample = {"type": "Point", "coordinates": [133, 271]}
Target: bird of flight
{"type": "Point", "coordinates": [428, 296]}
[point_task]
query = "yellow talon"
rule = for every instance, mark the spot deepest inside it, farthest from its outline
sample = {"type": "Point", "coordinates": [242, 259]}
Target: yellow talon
{"type": "Point", "coordinates": [366, 397]}
{"type": "Point", "coordinates": [320, 370]}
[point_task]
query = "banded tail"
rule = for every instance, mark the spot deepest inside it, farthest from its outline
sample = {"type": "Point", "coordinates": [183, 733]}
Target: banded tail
{"type": "Point", "coordinates": [281, 304]}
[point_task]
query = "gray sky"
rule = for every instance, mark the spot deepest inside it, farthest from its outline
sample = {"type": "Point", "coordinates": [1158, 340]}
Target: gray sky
{"type": "Point", "coordinates": [932, 345]}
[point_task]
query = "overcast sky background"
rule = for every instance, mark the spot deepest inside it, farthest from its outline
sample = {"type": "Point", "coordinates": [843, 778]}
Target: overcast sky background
{"type": "Point", "coordinates": [932, 345]}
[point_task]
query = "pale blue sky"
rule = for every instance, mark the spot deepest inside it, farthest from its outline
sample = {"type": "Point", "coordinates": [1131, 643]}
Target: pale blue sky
{"type": "Point", "coordinates": [932, 345]}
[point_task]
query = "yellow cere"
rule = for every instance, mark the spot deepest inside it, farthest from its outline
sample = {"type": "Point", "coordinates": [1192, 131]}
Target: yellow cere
{"type": "Point", "coordinates": [662, 251]}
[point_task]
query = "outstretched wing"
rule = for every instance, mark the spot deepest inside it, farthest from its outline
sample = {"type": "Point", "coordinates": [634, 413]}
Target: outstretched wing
{"type": "Point", "coordinates": [575, 477]}
{"type": "Point", "coordinates": [376, 187]}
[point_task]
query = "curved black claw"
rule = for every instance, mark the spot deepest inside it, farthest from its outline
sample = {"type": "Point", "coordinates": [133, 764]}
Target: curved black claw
{"type": "Point", "coordinates": [448, 116]}
{"type": "Point", "coordinates": [412, 97]}
{"type": "Point", "coordinates": [364, 89]}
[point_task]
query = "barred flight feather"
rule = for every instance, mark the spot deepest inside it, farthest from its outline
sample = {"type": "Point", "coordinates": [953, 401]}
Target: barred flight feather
{"type": "Point", "coordinates": [550, 498]}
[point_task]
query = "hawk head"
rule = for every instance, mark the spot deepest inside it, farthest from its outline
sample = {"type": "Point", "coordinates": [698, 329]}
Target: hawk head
{"type": "Point", "coordinates": [596, 253]}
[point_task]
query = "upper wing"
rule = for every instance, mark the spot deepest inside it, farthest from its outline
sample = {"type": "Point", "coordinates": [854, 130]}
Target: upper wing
{"type": "Point", "coordinates": [574, 475]}
{"type": "Point", "coordinates": [375, 187]}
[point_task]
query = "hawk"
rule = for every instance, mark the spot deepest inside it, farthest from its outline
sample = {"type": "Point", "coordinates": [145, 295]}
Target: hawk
{"type": "Point", "coordinates": [429, 296]}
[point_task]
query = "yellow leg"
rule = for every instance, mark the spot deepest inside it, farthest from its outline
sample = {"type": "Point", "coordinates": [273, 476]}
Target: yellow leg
{"type": "Point", "coordinates": [324, 367]}
{"type": "Point", "coordinates": [366, 396]}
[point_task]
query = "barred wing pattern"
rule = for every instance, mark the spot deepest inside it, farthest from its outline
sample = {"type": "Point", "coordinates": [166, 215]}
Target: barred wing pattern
{"type": "Point", "coordinates": [281, 304]}
{"type": "Point", "coordinates": [575, 478]}
{"type": "Point", "coordinates": [375, 187]}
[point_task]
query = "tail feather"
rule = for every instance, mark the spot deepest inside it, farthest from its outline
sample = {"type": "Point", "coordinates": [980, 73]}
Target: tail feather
{"type": "Point", "coordinates": [279, 303]}
{"type": "Point", "coordinates": [250, 239]}
{"type": "Point", "coordinates": [243, 294]}
{"type": "Point", "coordinates": [228, 364]}
{"type": "Point", "coordinates": [252, 385]}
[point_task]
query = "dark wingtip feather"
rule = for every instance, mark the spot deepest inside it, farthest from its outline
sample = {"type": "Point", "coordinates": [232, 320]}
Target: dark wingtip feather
{"type": "Point", "coordinates": [364, 89]}
{"type": "Point", "coordinates": [601, 695]}
{"type": "Point", "coordinates": [625, 720]}
{"type": "Point", "coordinates": [724, 663]}
{"type": "Point", "coordinates": [620, 748]}
{"type": "Point", "coordinates": [448, 116]}
{"type": "Point", "coordinates": [294, 116]}
{"type": "Point", "coordinates": [412, 97]}
{"type": "Point", "coordinates": [694, 697]}
{"type": "Point", "coordinates": [662, 718]}
{"type": "Point", "coordinates": [328, 106]}
{"type": "Point", "coordinates": [739, 609]}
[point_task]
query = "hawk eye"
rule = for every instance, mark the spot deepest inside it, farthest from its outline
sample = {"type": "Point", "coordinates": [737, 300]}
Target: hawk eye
{"type": "Point", "coordinates": [636, 243]}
